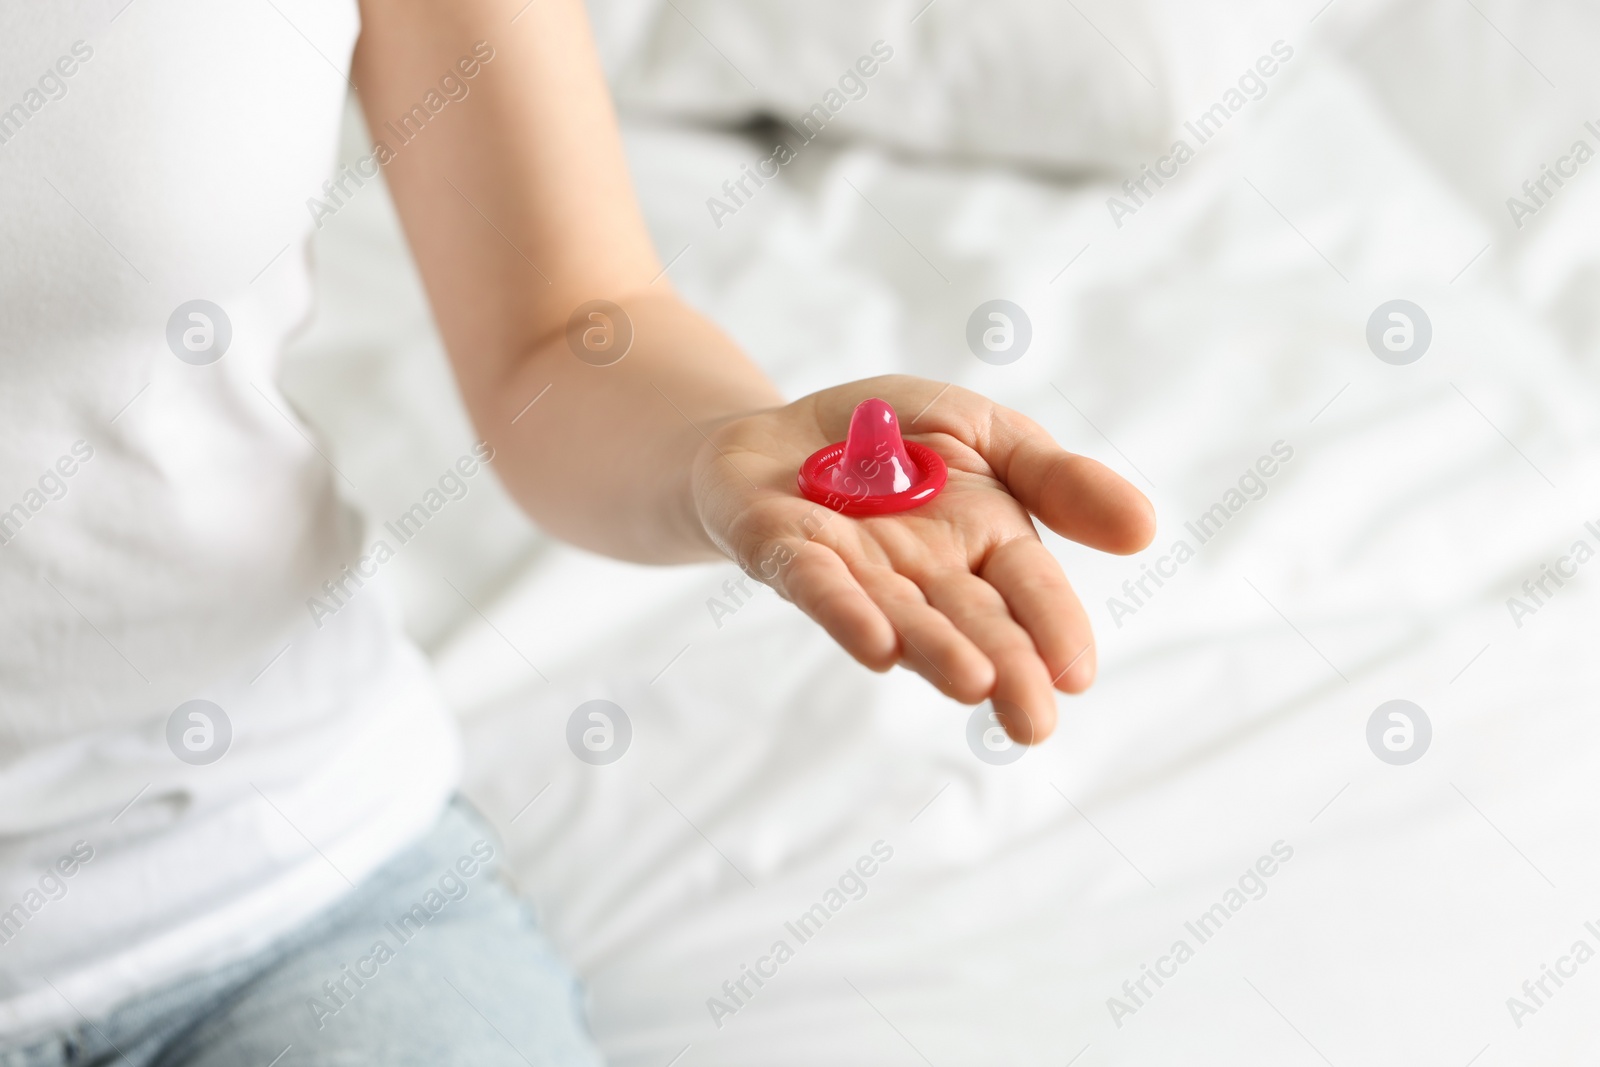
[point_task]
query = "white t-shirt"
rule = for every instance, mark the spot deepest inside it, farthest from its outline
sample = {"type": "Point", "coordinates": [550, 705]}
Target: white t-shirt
{"type": "Point", "coordinates": [165, 515]}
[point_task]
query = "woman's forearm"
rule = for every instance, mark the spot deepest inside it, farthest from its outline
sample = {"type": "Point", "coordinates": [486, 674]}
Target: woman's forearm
{"type": "Point", "coordinates": [516, 200]}
{"type": "Point", "coordinates": [600, 453]}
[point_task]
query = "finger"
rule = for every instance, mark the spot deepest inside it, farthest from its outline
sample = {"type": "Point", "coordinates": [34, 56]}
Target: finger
{"type": "Point", "coordinates": [817, 581]}
{"type": "Point", "coordinates": [930, 643]}
{"type": "Point", "coordinates": [1022, 694]}
{"type": "Point", "coordinates": [1041, 599]}
{"type": "Point", "coordinates": [1079, 498]}
{"type": "Point", "coordinates": [1075, 496]}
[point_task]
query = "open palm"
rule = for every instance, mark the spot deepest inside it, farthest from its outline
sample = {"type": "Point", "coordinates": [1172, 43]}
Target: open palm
{"type": "Point", "coordinates": [960, 590]}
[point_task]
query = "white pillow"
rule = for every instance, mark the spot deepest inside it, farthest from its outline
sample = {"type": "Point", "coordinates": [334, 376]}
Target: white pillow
{"type": "Point", "coordinates": [1060, 86]}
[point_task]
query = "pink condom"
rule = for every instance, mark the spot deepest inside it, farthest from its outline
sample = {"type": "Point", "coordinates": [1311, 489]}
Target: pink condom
{"type": "Point", "coordinates": [873, 471]}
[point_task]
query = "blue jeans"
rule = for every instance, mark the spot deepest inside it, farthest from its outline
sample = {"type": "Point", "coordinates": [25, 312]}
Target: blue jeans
{"type": "Point", "coordinates": [463, 977]}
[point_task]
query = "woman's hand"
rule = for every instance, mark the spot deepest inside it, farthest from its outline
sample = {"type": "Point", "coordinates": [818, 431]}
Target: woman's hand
{"type": "Point", "coordinates": [961, 589]}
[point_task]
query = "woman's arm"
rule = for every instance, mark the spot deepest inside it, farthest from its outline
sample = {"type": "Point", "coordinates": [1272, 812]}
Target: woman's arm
{"type": "Point", "coordinates": [517, 205]}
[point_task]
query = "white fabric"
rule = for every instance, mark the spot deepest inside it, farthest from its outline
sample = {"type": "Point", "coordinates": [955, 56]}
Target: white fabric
{"type": "Point", "coordinates": [1064, 86]}
{"type": "Point", "coordinates": [176, 561]}
{"type": "Point", "coordinates": [1194, 337]}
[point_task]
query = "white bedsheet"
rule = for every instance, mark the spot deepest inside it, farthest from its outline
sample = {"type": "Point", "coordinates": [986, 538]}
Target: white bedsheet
{"type": "Point", "coordinates": [1226, 315]}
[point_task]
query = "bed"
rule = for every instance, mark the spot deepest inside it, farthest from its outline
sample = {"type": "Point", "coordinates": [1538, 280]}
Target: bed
{"type": "Point", "coordinates": [1222, 787]}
